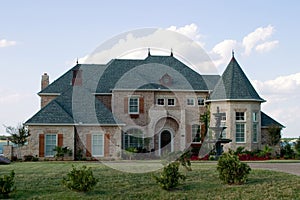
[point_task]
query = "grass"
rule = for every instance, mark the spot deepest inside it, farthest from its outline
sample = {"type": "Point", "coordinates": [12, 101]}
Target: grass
{"type": "Point", "coordinates": [42, 180]}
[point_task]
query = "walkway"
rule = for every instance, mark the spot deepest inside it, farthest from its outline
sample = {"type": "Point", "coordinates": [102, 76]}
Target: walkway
{"type": "Point", "coordinates": [291, 168]}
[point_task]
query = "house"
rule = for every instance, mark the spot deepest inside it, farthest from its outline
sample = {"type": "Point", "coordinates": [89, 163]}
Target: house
{"type": "Point", "coordinates": [152, 105]}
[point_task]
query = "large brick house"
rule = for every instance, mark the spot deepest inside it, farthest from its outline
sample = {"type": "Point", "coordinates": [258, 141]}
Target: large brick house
{"type": "Point", "coordinates": [153, 105]}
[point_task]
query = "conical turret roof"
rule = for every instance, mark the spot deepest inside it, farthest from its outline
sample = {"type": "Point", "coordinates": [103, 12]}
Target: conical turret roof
{"type": "Point", "coordinates": [234, 85]}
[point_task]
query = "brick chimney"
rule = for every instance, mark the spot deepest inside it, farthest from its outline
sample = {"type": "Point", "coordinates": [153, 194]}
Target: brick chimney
{"type": "Point", "coordinates": [45, 81]}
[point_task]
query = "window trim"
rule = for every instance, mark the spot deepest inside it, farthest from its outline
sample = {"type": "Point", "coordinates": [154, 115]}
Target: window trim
{"type": "Point", "coordinates": [187, 101]}
{"type": "Point", "coordinates": [171, 99]}
{"type": "Point", "coordinates": [160, 104]}
{"type": "Point", "coordinates": [255, 141]}
{"type": "Point", "coordinates": [193, 137]}
{"type": "Point", "coordinates": [45, 145]}
{"type": "Point", "coordinates": [103, 143]}
{"type": "Point", "coordinates": [244, 133]}
{"type": "Point", "coordinates": [255, 119]}
{"type": "Point", "coordinates": [138, 105]}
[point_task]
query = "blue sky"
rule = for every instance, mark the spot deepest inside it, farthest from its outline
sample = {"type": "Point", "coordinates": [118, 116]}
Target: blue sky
{"type": "Point", "coordinates": [48, 36]}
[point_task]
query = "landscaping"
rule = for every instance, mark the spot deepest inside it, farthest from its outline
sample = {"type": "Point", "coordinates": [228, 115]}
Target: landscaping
{"type": "Point", "coordinates": [43, 180]}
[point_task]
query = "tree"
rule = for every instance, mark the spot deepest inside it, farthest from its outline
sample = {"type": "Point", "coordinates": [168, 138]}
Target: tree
{"type": "Point", "coordinates": [18, 135]}
{"type": "Point", "coordinates": [297, 147]}
{"type": "Point", "coordinates": [275, 134]}
{"type": "Point", "coordinates": [205, 119]}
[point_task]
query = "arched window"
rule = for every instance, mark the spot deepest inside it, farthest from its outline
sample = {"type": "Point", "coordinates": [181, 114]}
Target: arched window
{"type": "Point", "coordinates": [196, 130]}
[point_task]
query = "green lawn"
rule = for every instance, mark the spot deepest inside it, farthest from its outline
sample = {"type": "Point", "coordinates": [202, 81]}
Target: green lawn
{"type": "Point", "coordinates": [42, 180]}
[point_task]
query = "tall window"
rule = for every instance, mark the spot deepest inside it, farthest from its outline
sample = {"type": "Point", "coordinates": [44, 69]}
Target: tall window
{"type": "Point", "coordinates": [98, 145]}
{"type": "Point", "coordinates": [240, 132]}
{"type": "Point", "coordinates": [240, 116]}
{"type": "Point", "coordinates": [255, 126]}
{"type": "Point", "coordinates": [200, 101]}
{"type": "Point", "coordinates": [190, 102]}
{"type": "Point", "coordinates": [171, 102]}
{"type": "Point", "coordinates": [50, 144]}
{"type": "Point", "coordinates": [223, 124]}
{"type": "Point", "coordinates": [196, 130]}
{"type": "Point", "coordinates": [133, 138]}
{"type": "Point", "coordinates": [133, 105]}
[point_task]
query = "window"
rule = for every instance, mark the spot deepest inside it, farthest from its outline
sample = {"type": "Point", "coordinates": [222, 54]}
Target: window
{"type": "Point", "coordinates": [240, 132]}
{"type": "Point", "coordinates": [254, 117]}
{"type": "Point", "coordinates": [196, 130]}
{"type": "Point", "coordinates": [190, 102]}
{"type": "Point", "coordinates": [97, 144]}
{"type": "Point", "coordinates": [133, 138]}
{"type": "Point", "coordinates": [240, 116]}
{"type": "Point", "coordinates": [171, 102]}
{"type": "Point", "coordinates": [255, 130]}
{"type": "Point", "coordinates": [223, 124]}
{"type": "Point", "coordinates": [133, 105]}
{"type": "Point", "coordinates": [50, 144]}
{"type": "Point", "coordinates": [200, 101]}
{"type": "Point", "coordinates": [160, 102]}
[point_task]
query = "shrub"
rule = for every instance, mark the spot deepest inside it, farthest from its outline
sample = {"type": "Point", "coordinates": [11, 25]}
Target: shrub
{"type": "Point", "coordinates": [81, 179]}
{"type": "Point", "coordinates": [7, 184]}
{"type": "Point", "coordinates": [232, 170]}
{"type": "Point", "coordinates": [170, 176]}
{"type": "Point", "coordinates": [287, 152]}
{"type": "Point", "coordinates": [62, 151]}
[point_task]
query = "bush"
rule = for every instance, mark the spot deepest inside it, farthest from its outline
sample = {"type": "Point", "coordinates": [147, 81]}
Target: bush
{"type": "Point", "coordinates": [7, 184]}
{"type": "Point", "coordinates": [170, 176]}
{"type": "Point", "coordinates": [62, 151]}
{"type": "Point", "coordinates": [81, 179]}
{"type": "Point", "coordinates": [232, 170]}
{"type": "Point", "coordinates": [286, 151]}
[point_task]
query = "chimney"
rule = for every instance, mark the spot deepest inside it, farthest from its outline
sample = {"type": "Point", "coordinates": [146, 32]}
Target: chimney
{"type": "Point", "coordinates": [45, 81]}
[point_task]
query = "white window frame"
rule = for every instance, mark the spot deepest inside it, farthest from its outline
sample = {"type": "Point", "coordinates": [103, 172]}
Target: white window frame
{"type": "Point", "coordinates": [223, 124]}
{"type": "Point", "coordinates": [157, 101]}
{"type": "Point", "coordinates": [255, 134]}
{"type": "Point", "coordinates": [45, 145]}
{"type": "Point", "coordinates": [254, 117]}
{"type": "Point", "coordinates": [195, 128]}
{"type": "Point", "coordinates": [173, 100]}
{"type": "Point", "coordinates": [138, 105]}
{"type": "Point", "coordinates": [188, 101]}
{"type": "Point", "coordinates": [244, 141]}
{"type": "Point", "coordinates": [103, 143]}
{"type": "Point", "coordinates": [198, 98]}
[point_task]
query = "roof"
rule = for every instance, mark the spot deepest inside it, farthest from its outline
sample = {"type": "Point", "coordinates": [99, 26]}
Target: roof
{"type": "Point", "coordinates": [234, 85]}
{"type": "Point", "coordinates": [267, 121]}
{"type": "Point", "coordinates": [74, 106]}
{"type": "Point", "coordinates": [211, 80]}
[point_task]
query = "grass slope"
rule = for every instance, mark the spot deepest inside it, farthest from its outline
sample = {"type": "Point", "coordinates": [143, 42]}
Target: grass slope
{"type": "Point", "coordinates": [42, 180]}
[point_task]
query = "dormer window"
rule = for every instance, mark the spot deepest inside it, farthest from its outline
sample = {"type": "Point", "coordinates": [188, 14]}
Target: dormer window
{"type": "Point", "coordinates": [166, 80]}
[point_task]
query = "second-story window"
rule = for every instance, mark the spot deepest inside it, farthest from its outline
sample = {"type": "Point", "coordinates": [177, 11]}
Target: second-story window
{"type": "Point", "coordinates": [171, 102]}
{"type": "Point", "coordinates": [190, 101]}
{"type": "Point", "coordinates": [200, 101]}
{"type": "Point", "coordinates": [240, 116]}
{"type": "Point", "coordinates": [160, 101]}
{"type": "Point", "coordinates": [133, 105]}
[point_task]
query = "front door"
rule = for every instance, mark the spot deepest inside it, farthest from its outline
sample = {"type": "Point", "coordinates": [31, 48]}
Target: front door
{"type": "Point", "coordinates": [165, 142]}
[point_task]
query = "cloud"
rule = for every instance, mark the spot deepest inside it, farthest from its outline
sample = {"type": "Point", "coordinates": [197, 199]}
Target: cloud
{"type": "Point", "coordinates": [7, 43]}
{"type": "Point", "coordinates": [289, 84]}
{"type": "Point", "coordinates": [221, 52]}
{"type": "Point", "coordinates": [260, 34]}
{"type": "Point", "coordinates": [267, 46]}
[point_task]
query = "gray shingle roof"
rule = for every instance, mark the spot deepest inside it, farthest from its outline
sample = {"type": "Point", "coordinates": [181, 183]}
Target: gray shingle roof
{"type": "Point", "coordinates": [74, 106]}
{"type": "Point", "coordinates": [211, 80]}
{"type": "Point", "coordinates": [234, 85]}
{"type": "Point", "coordinates": [268, 121]}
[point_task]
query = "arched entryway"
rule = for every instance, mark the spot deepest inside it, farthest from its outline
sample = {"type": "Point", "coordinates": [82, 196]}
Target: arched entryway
{"type": "Point", "coordinates": [165, 142]}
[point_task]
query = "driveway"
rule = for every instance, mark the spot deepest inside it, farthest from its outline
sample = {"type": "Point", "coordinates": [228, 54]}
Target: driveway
{"type": "Point", "coordinates": [291, 168]}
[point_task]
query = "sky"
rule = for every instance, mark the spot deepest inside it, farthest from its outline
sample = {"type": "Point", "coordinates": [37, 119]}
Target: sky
{"type": "Point", "coordinates": [48, 36]}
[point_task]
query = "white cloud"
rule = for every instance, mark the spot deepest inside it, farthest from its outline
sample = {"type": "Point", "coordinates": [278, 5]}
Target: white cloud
{"type": "Point", "coordinates": [267, 46]}
{"type": "Point", "coordinates": [221, 52]}
{"type": "Point", "coordinates": [281, 85]}
{"type": "Point", "coordinates": [260, 34]}
{"type": "Point", "coordinates": [7, 43]}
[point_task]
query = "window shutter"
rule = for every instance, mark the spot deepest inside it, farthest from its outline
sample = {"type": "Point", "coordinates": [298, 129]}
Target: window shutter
{"type": "Point", "coordinates": [188, 134]}
{"type": "Point", "coordinates": [41, 145]}
{"type": "Point", "coordinates": [88, 145]}
{"type": "Point", "coordinates": [141, 104]}
{"type": "Point", "coordinates": [126, 105]}
{"type": "Point", "coordinates": [106, 144]}
{"type": "Point", "coordinates": [60, 142]}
